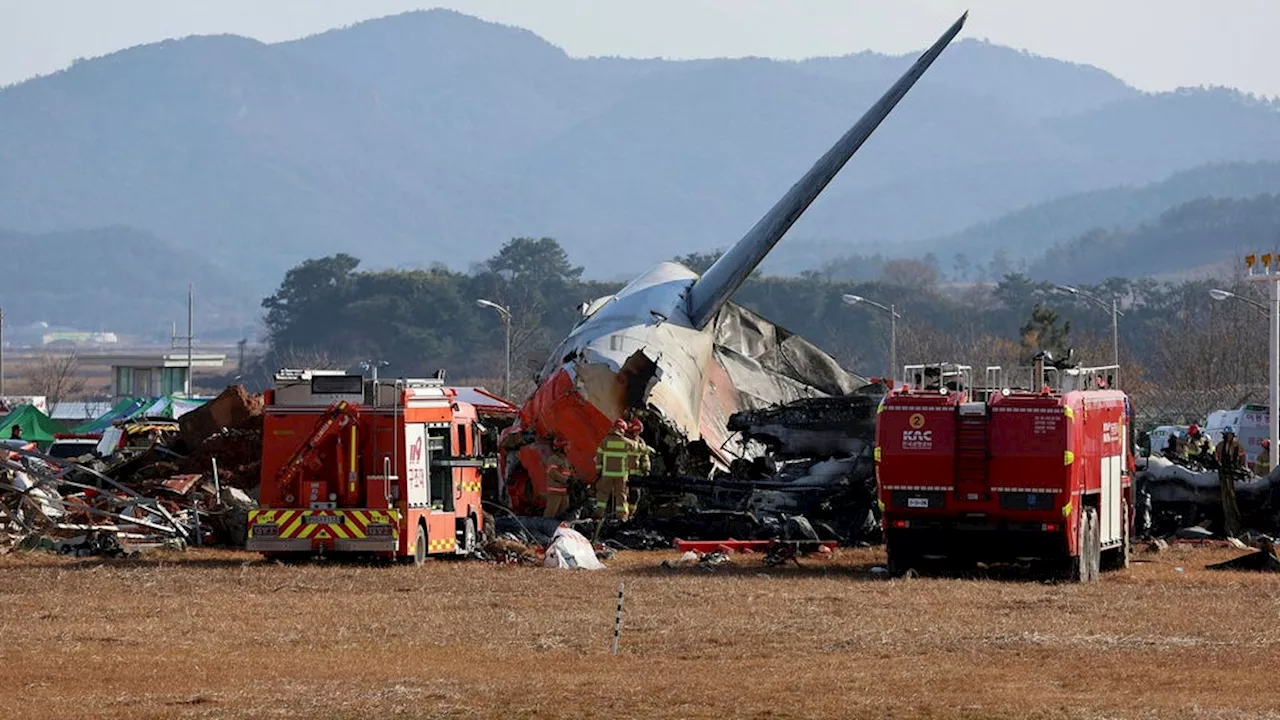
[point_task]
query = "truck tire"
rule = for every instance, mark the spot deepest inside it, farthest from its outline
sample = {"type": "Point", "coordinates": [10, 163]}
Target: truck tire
{"type": "Point", "coordinates": [468, 543]}
{"type": "Point", "coordinates": [899, 563]}
{"type": "Point", "coordinates": [1086, 566]}
{"type": "Point", "coordinates": [420, 547]}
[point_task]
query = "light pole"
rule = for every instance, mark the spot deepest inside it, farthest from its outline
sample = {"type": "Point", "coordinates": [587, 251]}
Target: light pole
{"type": "Point", "coordinates": [506, 322]}
{"type": "Point", "coordinates": [1218, 294]}
{"type": "Point", "coordinates": [893, 327]}
{"type": "Point", "coordinates": [1115, 315]}
{"type": "Point", "coordinates": [1272, 278]}
{"type": "Point", "coordinates": [372, 366]}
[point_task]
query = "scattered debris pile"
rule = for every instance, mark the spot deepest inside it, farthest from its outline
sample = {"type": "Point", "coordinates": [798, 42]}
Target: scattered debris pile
{"type": "Point", "coordinates": [151, 483]}
{"type": "Point", "coordinates": [1184, 499]}
{"type": "Point", "coordinates": [815, 482]}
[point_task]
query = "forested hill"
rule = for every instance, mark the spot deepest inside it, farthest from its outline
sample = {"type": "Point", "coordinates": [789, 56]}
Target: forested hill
{"type": "Point", "coordinates": [435, 137]}
{"type": "Point", "coordinates": [1198, 234]}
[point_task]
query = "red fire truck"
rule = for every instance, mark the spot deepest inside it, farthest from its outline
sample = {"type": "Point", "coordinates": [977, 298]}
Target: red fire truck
{"type": "Point", "coordinates": [389, 468]}
{"type": "Point", "coordinates": [1038, 470]}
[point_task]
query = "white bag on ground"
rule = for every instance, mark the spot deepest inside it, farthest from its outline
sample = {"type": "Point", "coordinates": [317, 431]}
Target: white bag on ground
{"type": "Point", "coordinates": [570, 549]}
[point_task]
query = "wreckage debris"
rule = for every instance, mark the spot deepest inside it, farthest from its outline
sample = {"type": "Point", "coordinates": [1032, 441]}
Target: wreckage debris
{"type": "Point", "coordinates": [1264, 560]}
{"type": "Point", "coordinates": [153, 485]}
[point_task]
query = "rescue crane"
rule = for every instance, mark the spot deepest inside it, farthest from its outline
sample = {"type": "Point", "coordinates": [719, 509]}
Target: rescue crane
{"type": "Point", "coordinates": [390, 468]}
{"type": "Point", "coordinates": [1039, 470]}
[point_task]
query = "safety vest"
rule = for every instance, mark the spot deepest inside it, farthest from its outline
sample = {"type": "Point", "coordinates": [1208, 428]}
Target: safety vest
{"type": "Point", "coordinates": [1263, 463]}
{"type": "Point", "coordinates": [614, 456]}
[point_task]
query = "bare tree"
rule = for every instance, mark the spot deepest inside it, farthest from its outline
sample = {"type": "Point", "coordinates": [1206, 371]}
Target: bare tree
{"type": "Point", "coordinates": [56, 377]}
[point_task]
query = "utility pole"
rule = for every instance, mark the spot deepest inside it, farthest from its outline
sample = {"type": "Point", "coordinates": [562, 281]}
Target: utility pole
{"type": "Point", "coordinates": [191, 335]}
{"type": "Point", "coordinates": [1272, 279]}
{"type": "Point", "coordinates": [190, 338]}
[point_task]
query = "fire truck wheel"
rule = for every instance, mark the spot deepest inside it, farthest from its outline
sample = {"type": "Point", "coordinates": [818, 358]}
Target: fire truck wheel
{"type": "Point", "coordinates": [468, 544]}
{"type": "Point", "coordinates": [420, 546]}
{"type": "Point", "coordinates": [1085, 567]}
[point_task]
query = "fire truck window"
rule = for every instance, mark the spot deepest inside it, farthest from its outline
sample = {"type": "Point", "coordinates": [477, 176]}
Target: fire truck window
{"type": "Point", "coordinates": [438, 442]}
{"type": "Point", "coordinates": [461, 441]}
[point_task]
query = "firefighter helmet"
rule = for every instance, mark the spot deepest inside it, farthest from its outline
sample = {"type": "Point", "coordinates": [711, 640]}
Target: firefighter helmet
{"type": "Point", "coordinates": [620, 425]}
{"type": "Point", "coordinates": [637, 427]}
{"type": "Point", "coordinates": [1194, 430]}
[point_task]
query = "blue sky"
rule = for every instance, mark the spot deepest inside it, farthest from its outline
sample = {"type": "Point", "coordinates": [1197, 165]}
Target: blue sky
{"type": "Point", "coordinates": [1152, 44]}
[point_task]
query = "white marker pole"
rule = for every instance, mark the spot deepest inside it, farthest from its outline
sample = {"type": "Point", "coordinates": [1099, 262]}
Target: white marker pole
{"type": "Point", "coordinates": [617, 621]}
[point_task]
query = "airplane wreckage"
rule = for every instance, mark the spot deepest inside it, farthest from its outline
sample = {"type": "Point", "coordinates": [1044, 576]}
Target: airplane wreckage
{"type": "Point", "coordinates": [725, 395]}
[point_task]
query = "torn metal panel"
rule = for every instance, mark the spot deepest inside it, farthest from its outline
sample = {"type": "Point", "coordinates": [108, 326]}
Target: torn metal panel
{"type": "Point", "coordinates": [814, 427]}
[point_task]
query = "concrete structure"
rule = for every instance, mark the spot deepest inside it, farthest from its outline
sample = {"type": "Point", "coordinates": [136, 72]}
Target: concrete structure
{"type": "Point", "coordinates": [151, 375]}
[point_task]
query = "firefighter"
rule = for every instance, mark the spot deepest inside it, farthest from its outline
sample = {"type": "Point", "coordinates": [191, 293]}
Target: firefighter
{"type": "Point", "coordinates": [1262, 466]}
{"type": "Point", "coordinates": [1231, 464]}
{"type": "Point", "coordinates": [559, 471]}
{"type": "Point", "coordinates": [1198, 444]}
{"type": "Point", "coordinates": [641, 452]}
{"type": "Point", "coordinates": [613, 462]}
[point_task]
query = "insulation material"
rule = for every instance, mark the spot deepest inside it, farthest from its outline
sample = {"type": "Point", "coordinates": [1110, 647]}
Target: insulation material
{"type": "Point", "coordinates": [571, 550]}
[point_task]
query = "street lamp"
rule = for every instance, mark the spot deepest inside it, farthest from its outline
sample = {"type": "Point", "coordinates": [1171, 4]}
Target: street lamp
{"type": "Point", "coordinates": [1115, 315]}
{"type": "Point", "coordinates": [506, 322]}
{"type": "Point", "coordinates": [893, 327]}
{"type": "Point", "coordinates": [1218, 294]}
{"type": "Point", "coordinates": [372, 366]}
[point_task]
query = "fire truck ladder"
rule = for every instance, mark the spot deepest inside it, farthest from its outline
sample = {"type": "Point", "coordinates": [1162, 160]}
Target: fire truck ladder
{"type": "Point", "coordinates": [334, 419]}
{"type": "Point", "coordinates": [971, 451]}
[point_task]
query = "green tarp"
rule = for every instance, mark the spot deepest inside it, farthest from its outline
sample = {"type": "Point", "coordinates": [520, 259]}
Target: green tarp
{"type": "Point", "coordinates": [36, 426]}
{"type": "Point", "coordinates": [125, 408]}
{"type": "Point", "coordinates": [169, 406]}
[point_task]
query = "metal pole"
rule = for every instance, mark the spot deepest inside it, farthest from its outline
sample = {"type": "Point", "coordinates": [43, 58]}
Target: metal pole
{"type": "Point", "coordinates": [1115, 335]}
{"type": "Point", "coordinates": [506, 383]}
{"type": "Point", "coordinates": [191, 333]}
{"type": "Point", "coordinates": [893, 343]}
{"type": "Point", "coordinates": [1, 351]}
{"type": "Point", "coordinates": [617, 620]}
{"type": "Point", "coordinates": [1274, 407]}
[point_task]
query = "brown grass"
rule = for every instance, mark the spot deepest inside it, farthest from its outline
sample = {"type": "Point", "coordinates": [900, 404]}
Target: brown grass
{"type": "Point", "coordinates": [220, 634]}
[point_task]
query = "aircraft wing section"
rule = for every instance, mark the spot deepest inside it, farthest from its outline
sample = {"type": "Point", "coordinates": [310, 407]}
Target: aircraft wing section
{"type": "Point", "coordinates": [722, 279]}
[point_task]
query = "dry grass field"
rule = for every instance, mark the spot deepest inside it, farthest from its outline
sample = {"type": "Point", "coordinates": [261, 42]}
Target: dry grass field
{"type": "Point", "coordinates": [208, 634]}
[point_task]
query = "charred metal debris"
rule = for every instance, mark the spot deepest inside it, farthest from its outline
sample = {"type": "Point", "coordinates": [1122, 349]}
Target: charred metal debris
{"type": "Point", "coordinates": [150, 483]}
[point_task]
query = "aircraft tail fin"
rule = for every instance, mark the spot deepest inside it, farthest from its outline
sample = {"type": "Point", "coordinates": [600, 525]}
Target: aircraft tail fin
{"type": "Point", "coordinates": [723, 278]}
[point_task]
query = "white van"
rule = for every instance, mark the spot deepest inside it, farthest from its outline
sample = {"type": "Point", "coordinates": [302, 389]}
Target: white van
{"type": "Point", "coordinates": [1250, 422]}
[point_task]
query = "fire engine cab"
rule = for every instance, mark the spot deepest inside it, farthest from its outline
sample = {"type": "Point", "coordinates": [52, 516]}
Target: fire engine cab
{"type": "Point", "coordinates": [389, 468]}
{"type": "Point", "coordinates": [1009, 471]}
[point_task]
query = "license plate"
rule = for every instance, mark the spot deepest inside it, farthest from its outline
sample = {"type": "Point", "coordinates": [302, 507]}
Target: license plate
{"type": "Point", "coordinates": [379, 531]}
{"type": "Point", "coordinates": [917, 502]}
{"type": "Point", "coordinates": [266, 530]}
{"type": "Point", "coordinates": [324, 520]}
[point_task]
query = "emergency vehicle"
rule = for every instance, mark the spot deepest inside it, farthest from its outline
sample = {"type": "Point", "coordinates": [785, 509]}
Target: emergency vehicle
{"type": "Point", "coordinates": [389, 468]}
{"type": "Point", "coordinates": [1009, 471]}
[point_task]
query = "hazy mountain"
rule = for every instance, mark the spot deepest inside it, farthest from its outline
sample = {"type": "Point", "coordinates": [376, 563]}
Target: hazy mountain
{"type": "Point", "coordinates": [1029, 232]}
{"type": "Point", "coordinates": [433, 137]}
{"type": "Point", "coordinates": [122, 280]}
{"type": "Point", "coordinates": [1201, 233]}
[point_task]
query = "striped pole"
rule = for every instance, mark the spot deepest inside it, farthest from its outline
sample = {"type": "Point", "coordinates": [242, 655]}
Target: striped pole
{"type": "Point", "coordinates": [617, 621]}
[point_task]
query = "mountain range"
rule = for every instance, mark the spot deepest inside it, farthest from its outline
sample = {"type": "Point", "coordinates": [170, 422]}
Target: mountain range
{"type": "Point", "coordinates": [434, 137]}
